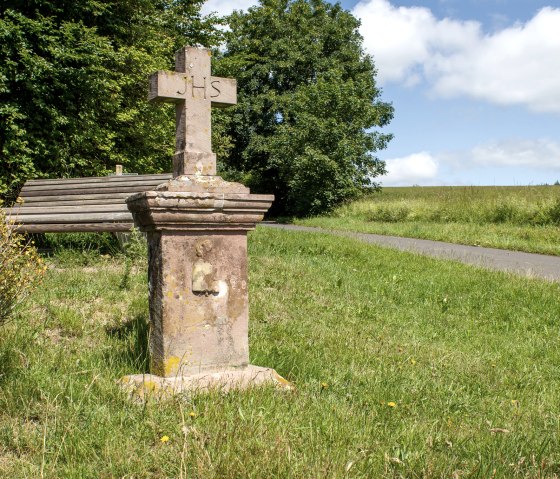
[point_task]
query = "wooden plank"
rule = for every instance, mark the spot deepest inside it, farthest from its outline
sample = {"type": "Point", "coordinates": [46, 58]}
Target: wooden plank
{"type": "Point", "coordinates": [68, 187]}
{"type": "Point", "coordinates": [75, 228]}
{"type": "Point", "coordinates": [76, 199]}
{"type": "Point", "coordinates": [100, 179]}
{"type": "Point", "coordinates": [86, 191]}
{"type": "Point", "coordinates": [76, 218]}
{"type": "Point", "coordinates": [61, 210]}
{"type": "Point", "coordinates": [26, 205]}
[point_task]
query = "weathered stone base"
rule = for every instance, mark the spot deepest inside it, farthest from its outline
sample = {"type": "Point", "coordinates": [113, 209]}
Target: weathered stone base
{"type": "Point", "coordinates": [143, 386]}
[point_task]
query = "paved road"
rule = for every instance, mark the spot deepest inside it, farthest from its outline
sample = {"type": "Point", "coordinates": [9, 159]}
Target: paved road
{"type": "Point", "coordinates": [525, 264]}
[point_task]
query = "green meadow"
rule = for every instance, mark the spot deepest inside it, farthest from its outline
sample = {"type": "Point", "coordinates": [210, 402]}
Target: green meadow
{"type": "Point", "coordinates": [403, 366]}
{"type": "Point", "coordinates": [522, 218]}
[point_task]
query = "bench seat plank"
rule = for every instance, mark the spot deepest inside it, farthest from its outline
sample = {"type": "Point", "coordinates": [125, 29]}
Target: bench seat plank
{"type": "Point", "coordinates": [75, 228]}
{"type": "Point", "coordinates": [107, 217]}
{"type": "Point", "coordinates": [71, 202]}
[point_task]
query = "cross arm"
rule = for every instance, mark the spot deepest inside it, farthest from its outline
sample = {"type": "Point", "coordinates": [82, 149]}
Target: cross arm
{"type": "Point", "coordinates": [223, 92]}
{"type": "Point", "coordinates": [166, 87]}
{"type": "Point", "coordinates": [174, 87]}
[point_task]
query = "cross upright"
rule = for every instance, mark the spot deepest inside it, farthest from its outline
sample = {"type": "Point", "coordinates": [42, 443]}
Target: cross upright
{"type": "Point", "coordinates": [194, 91]}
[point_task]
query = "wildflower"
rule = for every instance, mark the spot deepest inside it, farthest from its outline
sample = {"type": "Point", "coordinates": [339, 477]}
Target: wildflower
{"type": "Point", "coordinates": [164, 439]}
{"type": "Point", "coordinates": [392, 404]}
{"type": "Point", "coordinates": [324, 385]}
{"type": "Point", "coordinates": [192, 414]}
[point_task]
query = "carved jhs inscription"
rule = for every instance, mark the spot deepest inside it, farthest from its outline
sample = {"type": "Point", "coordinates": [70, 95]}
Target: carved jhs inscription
{"type": "Point", "coordinates": [215, 88]}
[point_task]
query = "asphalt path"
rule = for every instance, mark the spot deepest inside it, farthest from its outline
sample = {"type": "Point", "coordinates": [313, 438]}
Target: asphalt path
{"type": "Point", "coordinates": [525, 264]}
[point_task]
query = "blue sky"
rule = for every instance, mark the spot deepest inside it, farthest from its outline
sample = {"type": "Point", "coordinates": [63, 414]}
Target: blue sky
{"type": "Point", "coordinates": [475, 85]}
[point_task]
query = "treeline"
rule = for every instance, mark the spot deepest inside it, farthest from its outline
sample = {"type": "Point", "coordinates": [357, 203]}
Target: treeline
{"type": "Point", "coordinates": [73, 83]}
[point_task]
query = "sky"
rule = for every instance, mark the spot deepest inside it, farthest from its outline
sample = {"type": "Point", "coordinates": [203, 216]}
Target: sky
{"type": "Point", "coordinates": [475, 85]}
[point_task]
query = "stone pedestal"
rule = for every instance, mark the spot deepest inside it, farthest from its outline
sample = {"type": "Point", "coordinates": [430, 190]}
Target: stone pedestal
{"type": "Point", "coordinates": [197, 244]}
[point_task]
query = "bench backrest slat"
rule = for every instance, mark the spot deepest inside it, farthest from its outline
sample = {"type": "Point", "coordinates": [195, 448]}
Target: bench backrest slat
{"type": "Point", "coordinates": [79, 188]}
{"type": "Point", "coordinates": [98, 179]}
{"type": "Point", "coordinates": [60, 200]}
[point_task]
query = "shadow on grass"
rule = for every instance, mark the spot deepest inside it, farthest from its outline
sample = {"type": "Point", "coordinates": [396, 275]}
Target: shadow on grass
{"type": "Point", "coordinates": [134, 335]}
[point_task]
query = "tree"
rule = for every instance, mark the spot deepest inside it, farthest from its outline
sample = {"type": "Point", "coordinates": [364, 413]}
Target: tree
{"type": "Point", "coordinates": [73, 83]}
{"type": "Point", "coordinates": [307, 99]}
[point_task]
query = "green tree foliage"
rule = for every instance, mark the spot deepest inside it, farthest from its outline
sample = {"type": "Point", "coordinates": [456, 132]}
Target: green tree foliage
{"type": "Point", "coordinates": [307, 99]}
{"type": "Point", "coordinates": [73, 84]}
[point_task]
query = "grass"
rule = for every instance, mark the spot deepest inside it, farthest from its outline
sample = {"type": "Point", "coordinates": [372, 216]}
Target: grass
{"type": "Point", "coordinates": [523, 218]}
{"type": "Point", "coordinates": [470, 359]}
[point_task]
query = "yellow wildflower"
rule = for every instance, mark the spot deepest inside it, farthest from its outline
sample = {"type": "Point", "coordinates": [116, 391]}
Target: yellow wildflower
{"type": "Point", "coordinates": [392, 404]}
{"type": "Point", "coordinates": [164, 439]}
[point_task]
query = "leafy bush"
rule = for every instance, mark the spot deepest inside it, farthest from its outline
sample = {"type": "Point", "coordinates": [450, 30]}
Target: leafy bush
{"type": "Point", "coordinates": [20, 268]}
{"type": "Point", "coordinates": [82, 69]}
{"type": "Point", "coordinates": [306, 125]}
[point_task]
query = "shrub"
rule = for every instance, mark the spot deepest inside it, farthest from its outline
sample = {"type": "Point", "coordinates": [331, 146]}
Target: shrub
{"type": "Point", "coordinates": [390, 214]}
{"type": "Point", "coordinates": [97, 243]}
{"type": "Point", "coordinates": [136, 247]}
{"type": "Point", "coordinates": [502, 212]}
{"type": "Point", "coordinates": [553, 212]}
{"type": "Point", "coordinates": [20, 268]}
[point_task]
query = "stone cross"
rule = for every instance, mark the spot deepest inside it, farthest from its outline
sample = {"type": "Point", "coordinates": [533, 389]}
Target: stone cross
{"type": "Point", "coordinates": [197, 228]}
{"type": "Point", "coordinates": [194, 91]}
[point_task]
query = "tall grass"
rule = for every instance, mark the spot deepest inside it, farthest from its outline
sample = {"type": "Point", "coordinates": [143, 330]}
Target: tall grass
{"type": "Point", "coordinates": [524, 218]}
{"type": "Point", "coordinates": [404, 367]}
{"type": "Point", "coordinates": [521, 206]}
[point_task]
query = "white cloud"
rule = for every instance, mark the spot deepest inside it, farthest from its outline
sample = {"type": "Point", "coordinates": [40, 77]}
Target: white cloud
{"type": "Point", "coordinates": [519, 64]}
{"type": "Point", "coordinates": [418, 168]}
{"type": "Point", "coordinates": [530, 157]}
{"type": "Point", "coordinates": [539, 153]}
{"type": "Point", "coordinates": [403, 39]}
{"type": "Point", "coordinates": [225, 7]}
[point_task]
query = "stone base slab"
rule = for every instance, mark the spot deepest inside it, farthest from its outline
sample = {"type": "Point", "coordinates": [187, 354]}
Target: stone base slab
{"type": "Point", "coordinates": [144, 386]}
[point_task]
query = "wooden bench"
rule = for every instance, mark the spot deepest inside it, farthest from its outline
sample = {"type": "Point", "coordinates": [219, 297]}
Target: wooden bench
{"type": "Point", "coordinates": [93, 204]}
